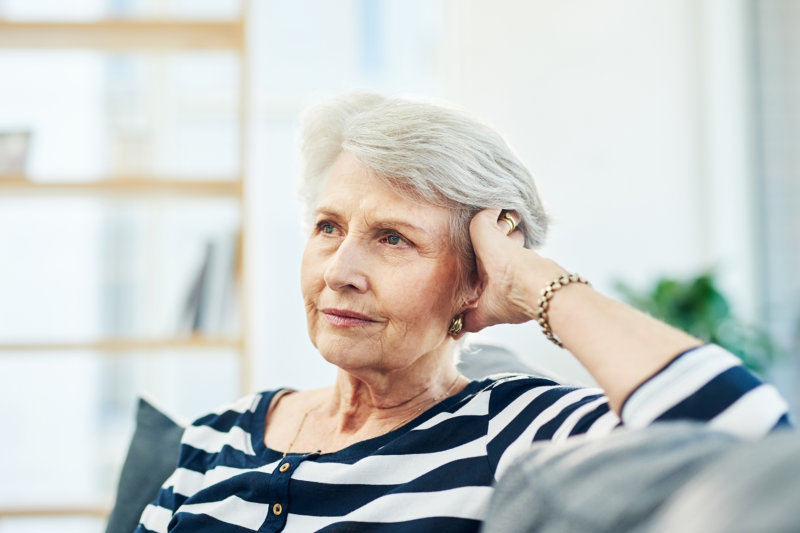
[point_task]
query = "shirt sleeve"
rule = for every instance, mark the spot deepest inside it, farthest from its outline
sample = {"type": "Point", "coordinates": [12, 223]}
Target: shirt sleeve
{"type": "Point", "coordinates": [706, 384]}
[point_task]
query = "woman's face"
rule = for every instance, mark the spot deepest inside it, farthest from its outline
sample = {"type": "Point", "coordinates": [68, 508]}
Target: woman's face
{"type": "Point", "coordinates": [378, 274]}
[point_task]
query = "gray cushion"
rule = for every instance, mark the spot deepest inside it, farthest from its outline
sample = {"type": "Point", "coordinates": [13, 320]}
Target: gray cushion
{"type": "Point", "coordinates": [478, 359]}
{"type": "Point", "coordinates": [755, 487]}
{"type": "Point", "coordinates": [611, 485]}
{"type": "Point", "coordinates": [151, 459]}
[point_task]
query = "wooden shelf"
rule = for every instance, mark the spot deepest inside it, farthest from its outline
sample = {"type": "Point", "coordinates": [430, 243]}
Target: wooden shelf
{"type": "Point", "coordinates": [97, 511]}
{"type": "Point", "coordinates": [126, 345]}
{"type": "Point", "coordinates": [139, 35]}
{"type": "Point", "coordinates": [142, 36]}
{"type": "Point", "coordinates": [124, 185]}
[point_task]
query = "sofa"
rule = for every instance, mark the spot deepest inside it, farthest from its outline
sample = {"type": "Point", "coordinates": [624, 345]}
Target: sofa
{"type": "Point", "coordinates": [675, 477]}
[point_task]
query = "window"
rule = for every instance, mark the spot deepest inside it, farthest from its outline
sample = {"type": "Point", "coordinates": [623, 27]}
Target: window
{"type": "Point", "coordinates": [777, 64]}
{"type": "Point", "coordinates": [132, 187]}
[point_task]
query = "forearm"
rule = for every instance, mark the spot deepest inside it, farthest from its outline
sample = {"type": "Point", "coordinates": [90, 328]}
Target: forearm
{"type": "Point", "coordinates": [624, 349]}
{"type": "Point", "coordinates": [652, 372]}
{"type": "Point", "coordinates": [621, 347]}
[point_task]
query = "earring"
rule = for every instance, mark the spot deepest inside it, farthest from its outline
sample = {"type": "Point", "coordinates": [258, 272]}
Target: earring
{"type": "Point", "coordinates": [456, 324]}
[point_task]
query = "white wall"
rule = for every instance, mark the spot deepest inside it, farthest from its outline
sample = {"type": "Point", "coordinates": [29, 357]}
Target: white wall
{"type": "Point", "coordinates": [607, 102]}
{"type": "Point", "coordinates": [304, 51]}
{"type": "Point", "coordinates": [603, 100]}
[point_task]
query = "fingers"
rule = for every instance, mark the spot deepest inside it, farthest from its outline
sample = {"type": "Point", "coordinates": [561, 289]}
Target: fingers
{"type": "Point", "coordinates": [487, 224]}
{"type": "Point", "coordinates": [497, 244]}
{"type": "Point", "coordinates": [508, 218]}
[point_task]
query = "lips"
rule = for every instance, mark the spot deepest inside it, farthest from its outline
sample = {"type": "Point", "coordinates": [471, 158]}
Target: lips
{"type": "Point", "coordinates": [346, 318]}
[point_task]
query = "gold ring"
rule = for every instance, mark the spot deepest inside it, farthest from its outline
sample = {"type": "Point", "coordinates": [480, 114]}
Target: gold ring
{"type": "Point", "coordinates": [505, 216]}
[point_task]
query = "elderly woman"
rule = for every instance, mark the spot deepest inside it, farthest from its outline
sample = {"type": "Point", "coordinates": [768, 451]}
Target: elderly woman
{"type": "Point", "coordinates": [422, 227]}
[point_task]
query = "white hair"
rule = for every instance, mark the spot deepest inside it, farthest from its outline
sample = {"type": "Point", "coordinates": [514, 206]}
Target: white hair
{"type": "Point", "coordinates": [427, 153]}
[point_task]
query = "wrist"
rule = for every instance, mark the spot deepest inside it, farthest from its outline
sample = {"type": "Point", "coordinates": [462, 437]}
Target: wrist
{"type": "Point", "coordinates": [544, 309]}
{"type": "Point", "coordinates": [538, 272]}
{"type": "Point", "coordinates": [544, 272]}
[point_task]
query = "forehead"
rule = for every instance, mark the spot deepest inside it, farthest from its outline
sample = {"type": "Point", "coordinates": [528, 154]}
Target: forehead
{"type": "Point", "coordinates": [352, 189]}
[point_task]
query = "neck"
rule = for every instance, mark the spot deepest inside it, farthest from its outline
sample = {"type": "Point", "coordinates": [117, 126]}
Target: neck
{"type": "Point", "coordinates": [391, 399]}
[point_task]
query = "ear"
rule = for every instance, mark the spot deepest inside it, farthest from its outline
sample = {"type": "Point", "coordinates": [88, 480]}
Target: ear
{"type": "Point", "coordinates": [472, 295]}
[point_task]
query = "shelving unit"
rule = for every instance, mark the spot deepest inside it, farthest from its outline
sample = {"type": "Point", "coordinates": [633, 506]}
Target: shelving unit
{"type": "Point", "coordinates": [146, 36]}
{"type": "Point", "coordinates": [112, 346]}
{"type": "Point", "coordinates": [133, 34]}
{"type": "Point", "coordinates": [122, 185]}
{"type": "Point", "coordinates": [98, 511]}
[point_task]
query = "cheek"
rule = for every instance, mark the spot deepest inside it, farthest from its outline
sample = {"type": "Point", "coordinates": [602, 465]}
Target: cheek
{"type": "Point", "coordinates": [428, 301]}
{"type": "Point", "coordinates": [311, 286]}
{"type": "Point", "coordinates": [309, 272]}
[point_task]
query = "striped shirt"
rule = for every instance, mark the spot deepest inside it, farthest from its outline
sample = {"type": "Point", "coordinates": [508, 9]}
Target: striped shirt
{"type": "Point", "coordinates": [436, 472]}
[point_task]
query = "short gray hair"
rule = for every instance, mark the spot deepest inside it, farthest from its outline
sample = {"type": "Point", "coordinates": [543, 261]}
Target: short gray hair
{"type": "Point", "coordinates": [425, 152]}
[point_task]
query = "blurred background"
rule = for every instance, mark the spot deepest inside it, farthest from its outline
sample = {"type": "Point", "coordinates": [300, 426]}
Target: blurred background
{"type": "Point", "coordinates": [149, 234]}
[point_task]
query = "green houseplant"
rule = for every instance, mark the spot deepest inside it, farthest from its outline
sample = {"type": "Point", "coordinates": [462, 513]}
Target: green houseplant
{"type": "Point", "coordinates": [697, 306]}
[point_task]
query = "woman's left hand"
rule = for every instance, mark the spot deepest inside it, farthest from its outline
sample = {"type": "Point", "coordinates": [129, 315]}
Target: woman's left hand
{"type": "Point", "coordinates": [510, 276]}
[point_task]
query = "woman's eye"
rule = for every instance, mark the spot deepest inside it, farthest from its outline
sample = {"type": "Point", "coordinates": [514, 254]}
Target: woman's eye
{"type": "Point", "coordinates": [326, 228]}
{"type": "Point", "coordinates": [395, 240]}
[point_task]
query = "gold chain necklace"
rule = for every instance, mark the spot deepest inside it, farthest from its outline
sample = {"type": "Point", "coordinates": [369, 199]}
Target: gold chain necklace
{"type": "Point", "coordinates": [402, 422]}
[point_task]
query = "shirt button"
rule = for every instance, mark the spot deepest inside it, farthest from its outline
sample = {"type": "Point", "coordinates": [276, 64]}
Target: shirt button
{"type": "Point", "coordinates": [277, 509]}
{"type": "Point", "coordinates": [284, 467]}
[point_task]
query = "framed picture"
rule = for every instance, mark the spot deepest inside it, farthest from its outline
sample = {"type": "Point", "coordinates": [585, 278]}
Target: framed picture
{"type": "Point", "coordinates": [13, 152]}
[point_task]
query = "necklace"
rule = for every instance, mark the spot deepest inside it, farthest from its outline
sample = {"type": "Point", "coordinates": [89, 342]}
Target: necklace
{"type": "Point", "coordinates": [416, 413]}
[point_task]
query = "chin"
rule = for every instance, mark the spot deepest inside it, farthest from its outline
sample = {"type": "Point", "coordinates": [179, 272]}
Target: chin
{"type": "Point", "coordinates": [350, 354]}
{"type": "Point", "coordinates": [348, 362]}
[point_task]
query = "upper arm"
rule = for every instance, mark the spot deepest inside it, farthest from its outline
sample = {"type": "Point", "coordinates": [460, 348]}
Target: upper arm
{"type": "Point", "coordinates": [706, 384]}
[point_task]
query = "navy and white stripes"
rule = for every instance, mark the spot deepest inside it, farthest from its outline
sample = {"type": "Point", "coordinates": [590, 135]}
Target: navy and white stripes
{"type": "Point", "coordinates": [708, 384]}
{"type": "Point", "coordinates": [436, 472]}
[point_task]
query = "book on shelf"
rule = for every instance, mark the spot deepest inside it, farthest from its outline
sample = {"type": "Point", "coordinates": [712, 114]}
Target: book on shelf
{"type": "Point", "coordinates": [210, 305]}
{"type": "Point", "coordinates": [14, 152]}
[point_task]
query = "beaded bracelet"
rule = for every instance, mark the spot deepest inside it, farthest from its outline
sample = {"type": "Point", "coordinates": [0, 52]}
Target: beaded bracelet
{"type": "Point", "coordinates": [544, 303]}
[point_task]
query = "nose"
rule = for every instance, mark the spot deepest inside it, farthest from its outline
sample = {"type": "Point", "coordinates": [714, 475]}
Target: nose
{"type": "Point", "coordinates": [346, 268]}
